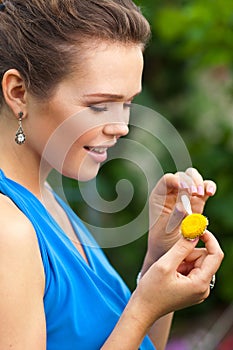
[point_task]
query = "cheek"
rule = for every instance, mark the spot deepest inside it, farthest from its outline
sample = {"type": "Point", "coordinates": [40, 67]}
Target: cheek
{"type": "Point", "coordinates": [63, 148]}
{"type": "Point", "coordinates": [89, 137]}
{"type": "Point", "coordinates": [78, 165]}
{"type": "Point", "coordinates": [40, 136]}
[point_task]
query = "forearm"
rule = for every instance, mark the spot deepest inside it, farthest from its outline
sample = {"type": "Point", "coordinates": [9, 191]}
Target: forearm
{"type": "Point", "coordinates": [131, 328]}
{"type": "Point", "coordinates": [160, 330]}
{"type": "Point", "coordinates": [134, 325]}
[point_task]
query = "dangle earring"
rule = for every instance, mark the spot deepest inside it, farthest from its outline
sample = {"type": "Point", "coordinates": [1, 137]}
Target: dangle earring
{"type": "Point", "coordinates": [20, 136]}
{"type": "Point", "coordinates": [2, 6]}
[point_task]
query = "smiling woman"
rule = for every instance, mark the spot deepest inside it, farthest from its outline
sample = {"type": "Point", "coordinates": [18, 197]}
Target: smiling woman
{"type": "Point", "coordinates": [83, 96]}
{"type": "Point", "coordinates": [69, 71]}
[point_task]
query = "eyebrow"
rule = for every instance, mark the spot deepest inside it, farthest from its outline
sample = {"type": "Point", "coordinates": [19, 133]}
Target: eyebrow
{"type": "Point", "coordinates": [111, 96]}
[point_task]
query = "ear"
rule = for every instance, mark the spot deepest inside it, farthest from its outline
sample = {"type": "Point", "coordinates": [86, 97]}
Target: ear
{"type": "Point", "coordinates": [14, 91]}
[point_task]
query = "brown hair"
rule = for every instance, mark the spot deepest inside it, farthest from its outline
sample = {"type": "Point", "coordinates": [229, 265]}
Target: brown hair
{"type": "Point", "coordinates": [41, 38]}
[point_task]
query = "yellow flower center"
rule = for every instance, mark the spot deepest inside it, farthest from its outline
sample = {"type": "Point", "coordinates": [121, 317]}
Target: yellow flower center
{"type": "Point", "coordinates": [194, 225]}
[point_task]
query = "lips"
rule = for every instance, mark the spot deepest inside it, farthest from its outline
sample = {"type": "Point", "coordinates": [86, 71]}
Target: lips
{"type": "Point", "coordinates": [97, 153]}
{"type": "Point", "coordinates": [99, 150]}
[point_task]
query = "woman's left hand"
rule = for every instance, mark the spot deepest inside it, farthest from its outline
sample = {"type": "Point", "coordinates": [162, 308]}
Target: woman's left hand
{"type": "Point", "coordinates": [167, 210]}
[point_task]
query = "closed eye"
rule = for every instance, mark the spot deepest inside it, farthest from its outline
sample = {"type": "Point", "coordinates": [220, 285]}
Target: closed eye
{"type": "Point", "coordinates": [96, 108]}
{"type": "Point", "coordinates": [128, 105]}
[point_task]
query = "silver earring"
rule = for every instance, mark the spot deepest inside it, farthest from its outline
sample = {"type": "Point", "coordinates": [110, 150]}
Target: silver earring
{"type": "Point", "coordinates": [20, 136]}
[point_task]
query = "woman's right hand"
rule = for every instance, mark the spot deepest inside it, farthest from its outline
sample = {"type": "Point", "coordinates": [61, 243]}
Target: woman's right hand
{"type": "Point", "coordinates": [180, 278]}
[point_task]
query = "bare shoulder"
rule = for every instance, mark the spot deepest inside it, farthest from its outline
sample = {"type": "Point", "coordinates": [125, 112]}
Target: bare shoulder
{"type": "Point", "coordinates": [22, 281]}
{"type": "Point", "coordinates": [18, 241]}
{"type": "Point", "coordinates": [17, 235]}
{"type": "Point", "coordinates": [13, 223]}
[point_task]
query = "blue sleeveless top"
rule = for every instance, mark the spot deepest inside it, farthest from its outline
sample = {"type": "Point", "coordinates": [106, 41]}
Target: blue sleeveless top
{"type": "Point", "coordinates": [82, 302]}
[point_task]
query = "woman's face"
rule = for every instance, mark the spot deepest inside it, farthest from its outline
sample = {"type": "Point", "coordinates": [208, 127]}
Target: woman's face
{"type": "Point", "coordinates": [88, 112]}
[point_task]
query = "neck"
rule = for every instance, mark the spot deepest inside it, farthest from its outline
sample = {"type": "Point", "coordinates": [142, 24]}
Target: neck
{"type": "Point", "coordinates": [21, 163]}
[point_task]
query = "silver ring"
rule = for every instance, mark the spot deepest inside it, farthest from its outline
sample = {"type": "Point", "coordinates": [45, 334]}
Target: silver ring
{"type": "Point", "coordinates": [212, 282]}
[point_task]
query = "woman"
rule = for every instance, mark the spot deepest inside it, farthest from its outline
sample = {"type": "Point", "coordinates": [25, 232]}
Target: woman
{"type": "Point", "coordinates": [81, 58]}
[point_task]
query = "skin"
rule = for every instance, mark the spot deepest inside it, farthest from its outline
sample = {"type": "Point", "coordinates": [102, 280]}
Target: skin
{"type": "Point", "coordinates": [174, 271]}
{"type": "Point", "coordinates": [73, 95]}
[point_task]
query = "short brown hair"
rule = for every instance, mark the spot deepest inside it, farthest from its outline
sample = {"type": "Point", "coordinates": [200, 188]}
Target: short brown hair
{"type": "Point", "coordinates": [40, 38]}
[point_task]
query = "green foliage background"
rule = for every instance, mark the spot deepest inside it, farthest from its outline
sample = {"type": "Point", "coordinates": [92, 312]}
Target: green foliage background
{"type": "Point", "coordinates": [188, 78]}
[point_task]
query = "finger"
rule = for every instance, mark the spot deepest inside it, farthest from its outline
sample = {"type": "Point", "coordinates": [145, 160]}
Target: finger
{"type": "Point", "coordinates": [178, 253]}
{"type": "Point", "coordinates": [197, 254]}
{"type": "Point", "coordinates": [186, 182]}
{"type": "Point", "coordinates": [206, 187]}
{"type": "Point", "coordinates": [215, 254]}
{"type": "Point", "coordinates": [175, 182]}
{"type": "Point", "coordinates": [168, 183]}
{"type": "Point", "coordinates": [210, 187]}
{"type": "Point", "coordinates": [194, 182]}
{"type": "Point", "coordinates": [194, 260]}
{"type": "Point", "coordinates": [198, 182]}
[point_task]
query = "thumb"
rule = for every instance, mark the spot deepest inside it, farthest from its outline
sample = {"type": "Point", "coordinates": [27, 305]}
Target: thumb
{"type": "Point", "coordinates": [179, 251]}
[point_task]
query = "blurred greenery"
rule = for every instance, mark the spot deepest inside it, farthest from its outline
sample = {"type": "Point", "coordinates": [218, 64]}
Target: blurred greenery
{"type": "Point", "coordinates": [188, 78]}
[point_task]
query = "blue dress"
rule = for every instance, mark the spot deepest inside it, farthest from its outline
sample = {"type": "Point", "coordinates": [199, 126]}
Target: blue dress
{"type": "Point", "coordinates": [82, 302]}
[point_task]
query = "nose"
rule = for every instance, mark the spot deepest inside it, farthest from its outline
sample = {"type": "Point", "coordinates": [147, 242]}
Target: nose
{"type": "Point", "coordinates": [116, 129]}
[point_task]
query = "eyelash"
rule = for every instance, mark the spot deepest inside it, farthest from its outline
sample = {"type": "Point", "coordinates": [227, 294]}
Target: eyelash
{"type": "Point", "coordinates": [99, 109]}
{"type": "Point", "coordinates": [95, 108]}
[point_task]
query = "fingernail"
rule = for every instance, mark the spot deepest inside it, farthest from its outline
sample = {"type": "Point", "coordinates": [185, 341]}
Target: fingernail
{"type": "Point", "coordinates": [184, 185]}
{"type": "Point", "coordinates": [200, 190]}
{"type": "Point", "coordinates": [194, 189]}
{"type": "Point", "coordinates": [192, 239]}
{"type": "Point", "coordinates": [211, 190]}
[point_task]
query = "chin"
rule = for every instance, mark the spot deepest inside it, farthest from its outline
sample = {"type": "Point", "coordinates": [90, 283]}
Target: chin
{"type": "Point", "coordinates": [82, 175]}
